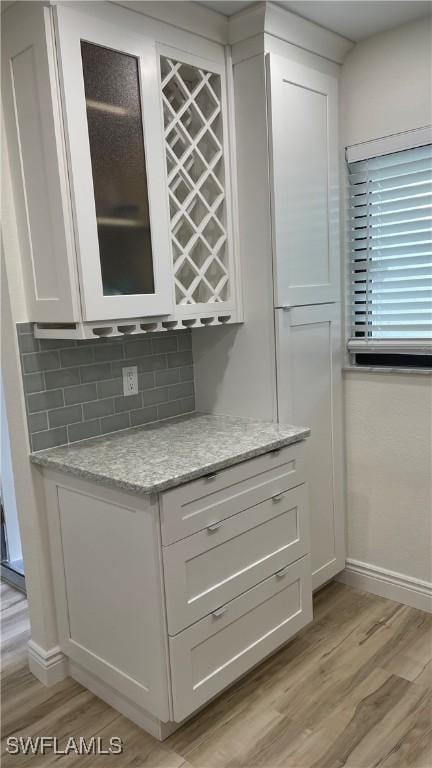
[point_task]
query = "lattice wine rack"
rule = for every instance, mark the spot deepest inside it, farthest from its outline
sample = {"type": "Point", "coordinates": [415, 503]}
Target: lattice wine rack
{"type": "Point", "coordinates": [196, 168]}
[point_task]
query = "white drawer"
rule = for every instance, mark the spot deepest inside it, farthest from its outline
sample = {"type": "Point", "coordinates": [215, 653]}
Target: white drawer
{"type": "Point", "coordinates": [217, 564]}
{"type": "Point", "coordinates": [211, 654]}
{"type": "Point", "coordinates": [193, 506]}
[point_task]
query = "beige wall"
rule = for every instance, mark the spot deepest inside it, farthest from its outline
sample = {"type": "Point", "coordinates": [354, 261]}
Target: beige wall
{"type": "Point", "coordinates": [389, 431]}
{"type": "Point", "coordinates": [386, 83]}
{"type": "Point", "coordinates": [386, 88]}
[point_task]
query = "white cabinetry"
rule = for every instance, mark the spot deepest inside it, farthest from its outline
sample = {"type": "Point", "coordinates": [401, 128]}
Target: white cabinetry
{"type": "Point", "coordinates": [121, 143]}
{"type": "Point", "coordinates": [217, 650]}
{"type": "Point", "coordinates": [111, 96]}
{"type": "Point", "coordinates": [159, 624]}
{"type": "Point", "coordinates": [310, 388]}
{"type": "Point", "coordinates": [303, 138]}
{"type": "Point", "coordinates": [285, 363]}
{"type": "Point", "coordinates": [36, 148]}
{"type": "Point", "coordinates": [303, 135]}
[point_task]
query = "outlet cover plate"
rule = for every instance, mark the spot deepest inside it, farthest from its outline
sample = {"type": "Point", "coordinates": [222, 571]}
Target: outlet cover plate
{"type": "Point", "coordinates": [130, 380]}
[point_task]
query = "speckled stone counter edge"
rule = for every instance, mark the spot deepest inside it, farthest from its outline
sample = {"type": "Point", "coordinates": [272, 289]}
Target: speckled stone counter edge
{"type": "Point", "coordinates": [165, 485]}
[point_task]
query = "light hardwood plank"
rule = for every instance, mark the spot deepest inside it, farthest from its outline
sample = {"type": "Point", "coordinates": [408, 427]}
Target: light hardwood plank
{"type": "Point", "coordinates": [354, 689]}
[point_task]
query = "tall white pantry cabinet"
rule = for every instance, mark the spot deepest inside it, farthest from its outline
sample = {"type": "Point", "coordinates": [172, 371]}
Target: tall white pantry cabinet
{"type": "Point", "coordinates": [285, 362]}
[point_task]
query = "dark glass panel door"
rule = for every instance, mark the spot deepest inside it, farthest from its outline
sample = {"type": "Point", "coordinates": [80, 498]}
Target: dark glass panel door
{"type": "Point", "coordinates": [113, 104]}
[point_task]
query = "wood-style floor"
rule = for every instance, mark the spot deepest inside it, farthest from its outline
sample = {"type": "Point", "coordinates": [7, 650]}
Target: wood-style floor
{"type": "Point", "coordinates": [353, 689]}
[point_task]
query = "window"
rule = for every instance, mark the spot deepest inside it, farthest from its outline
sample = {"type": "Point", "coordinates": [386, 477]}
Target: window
{"type": "Point", "coordinates": [390, 227]}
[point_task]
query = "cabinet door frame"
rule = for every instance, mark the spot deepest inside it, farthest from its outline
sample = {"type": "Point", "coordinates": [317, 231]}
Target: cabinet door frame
{"type": "Point", "coordinates": [185, 57]}
{"type": "Point", "coordinates": [33, 121]}
{"type": "Point", "coordinates": [287, 321]}
{"type": "Point", "coordinates": [279, 72]}
{"type": "Point", "coordinates": [150, 686]}
{"type": "Point", "coordinates": [71, 28]}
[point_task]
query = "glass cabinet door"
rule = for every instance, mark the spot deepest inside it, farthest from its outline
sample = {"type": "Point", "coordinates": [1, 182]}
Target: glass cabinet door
{"type": "Point", "coordinates": [115, 137]}
{"type": "Point", "coordinates": [112, 91]}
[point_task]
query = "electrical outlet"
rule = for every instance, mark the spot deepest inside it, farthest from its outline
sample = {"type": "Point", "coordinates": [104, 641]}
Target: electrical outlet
{"type": "Point", "coordinates": [130, 380]}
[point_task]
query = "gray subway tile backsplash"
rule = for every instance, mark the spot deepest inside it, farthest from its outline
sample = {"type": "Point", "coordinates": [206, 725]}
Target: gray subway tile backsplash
{"type": "Point", "coordinates": [137, 348]}
{"type": "Point", "coordinates": [37, 421]}
{"type": "Point", "coordinates": [109, 352]}
{"type": "Point", "coordinates": [99, 408]}
{"type": "Point", "coordinates": [60, 417]}
{"type": "Point", "coordinates": [49, 439]}
{"type": "Point", "coordinates": [83, 430]}
{"type": "Point", "coordinates": [43, 401]}
{"type": "Point", "coordinates": [184, 389]}
{"type": "Point", "coordinates": [65, 377]}
{"type": "Point", "coordinates": [33, 382]}
{"type": "Point", "coordinates": [28, 343]}
{"type": "Point", "coordinates": [185, 342]}
{"type": "Point", "coordinates": [146, 380]}
{"type": "Point", "coordinates": [171, 376]}
{"type": "Point", "coordinates": [155, 396]}
{"type": "Point", "coordinates": [167, 344]}
{"type": "Point", "coordinates": [74, 389]}
{"type": "Point", "coordinates": [129, 403]}
{"type": "Point", "coordinates": [177, 359]}
{"type": "Point", "coordinates": [76, 356]}
{"type": "Point", "coordinates": [143, 416]}
{"type": "Point", "coordinates": [40, 361]}
{"type": "Point", "coordinates": [110, 387]}
{"type": "Point", "coordinates": [96, 372]}
{"type": "Point", "coordinates": [174, 408]}
{"type": "Point", "coordinates": [114, 423]}
{"type": "Point", "coordinates": [82, 393]}
{"type": "Point", "coordinates": [187, 373]}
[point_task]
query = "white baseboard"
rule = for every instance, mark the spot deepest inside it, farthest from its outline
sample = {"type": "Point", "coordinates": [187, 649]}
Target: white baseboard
{"type": "Point", "coordinates": [50, 667]}
{"type": "Point", "coordinates": [394, 586]}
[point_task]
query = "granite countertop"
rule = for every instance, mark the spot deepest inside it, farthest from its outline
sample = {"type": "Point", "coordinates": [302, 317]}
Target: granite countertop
{"type": "Point", "coordinates": [157, 457]}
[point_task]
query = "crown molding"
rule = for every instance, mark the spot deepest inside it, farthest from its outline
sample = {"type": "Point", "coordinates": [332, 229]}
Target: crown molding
{"type": "Point", "coordinates": [185, 15]}
{"type": "Point", "coordinates": [270, 19]}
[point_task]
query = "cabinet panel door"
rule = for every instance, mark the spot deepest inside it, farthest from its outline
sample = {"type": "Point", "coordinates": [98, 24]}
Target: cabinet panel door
{"type": "Point", "coordinates": [110, 619]}
{"type": "Point", "coordinates": [304, 167]}
{"type": "Point", "coordinates": [309, 392]}
{"type": "Point", "coordinates": [114, 129]}
{"type": "Point", "coordinates": [36, 153]}
{"type": "Point", "coordinates": [217, 650]}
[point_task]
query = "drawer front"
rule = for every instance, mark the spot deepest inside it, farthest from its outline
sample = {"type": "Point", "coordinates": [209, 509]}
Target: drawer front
{"type": "Point", "coordinates": [217, 564]}
{"type": "Point", "coordinates": [193, 506]}
{"type": "Point", "coordinates": [215, 651]}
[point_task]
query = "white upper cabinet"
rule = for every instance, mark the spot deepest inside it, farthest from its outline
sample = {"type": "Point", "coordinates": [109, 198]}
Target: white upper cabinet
{"type": "Point", "coordinates": [122, 160]}
{"type": "Point", "coordinates": [304, 161]}
{"type": "Point", "coordinates": [35, 148]}
{"type": "Point", "coordinates": [113, 123]}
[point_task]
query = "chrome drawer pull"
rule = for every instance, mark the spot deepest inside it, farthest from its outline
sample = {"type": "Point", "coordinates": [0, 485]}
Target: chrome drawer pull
{"type": "Point", "coordinates": [219, 611]}
{"type": "Point", "coordinates": [211, 476]}
{"type": "Point", "coordinates": [277, 497]}
{"type": "Point", "coordinates": [213, 527]}
{"type": "Point", "coordinates": [280, 574]}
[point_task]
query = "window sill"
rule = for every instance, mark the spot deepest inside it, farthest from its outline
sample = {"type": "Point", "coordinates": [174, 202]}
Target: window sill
{"type": "Point", "coordinates": [386, 369]}
{"type": "Point", "coordinates": [389, 347]}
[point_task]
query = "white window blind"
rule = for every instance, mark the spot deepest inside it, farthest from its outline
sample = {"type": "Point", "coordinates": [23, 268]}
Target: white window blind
{"type": "Point", "coordinates": [390, 221]}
